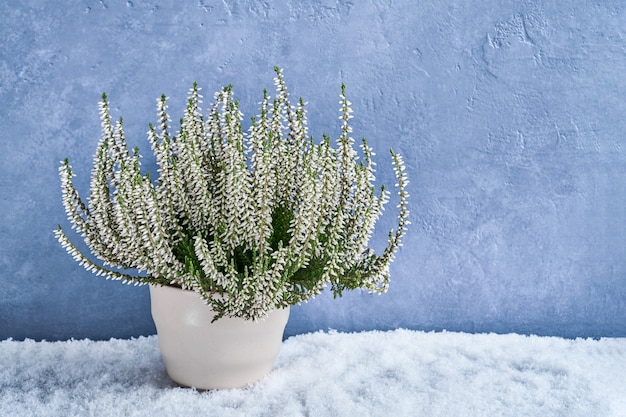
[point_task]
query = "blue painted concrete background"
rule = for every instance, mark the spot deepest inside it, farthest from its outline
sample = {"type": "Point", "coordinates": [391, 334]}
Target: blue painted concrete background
{"type": "Point", "coordinates": [511, 117]}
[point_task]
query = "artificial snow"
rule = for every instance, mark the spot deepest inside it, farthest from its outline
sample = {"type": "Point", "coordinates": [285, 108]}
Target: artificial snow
{"type": "Point", "coordinates": [394, 373]}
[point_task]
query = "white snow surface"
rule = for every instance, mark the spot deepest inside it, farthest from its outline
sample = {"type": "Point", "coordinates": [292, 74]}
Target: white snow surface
{"type": "Point", "coordinates": [392, 373]}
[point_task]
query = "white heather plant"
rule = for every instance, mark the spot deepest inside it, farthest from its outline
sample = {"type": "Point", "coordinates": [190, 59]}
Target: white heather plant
{"type": "Point", "coordinates": [251, 222]}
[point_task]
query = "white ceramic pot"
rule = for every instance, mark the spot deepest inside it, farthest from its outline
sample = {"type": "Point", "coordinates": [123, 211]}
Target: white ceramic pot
{"type": "Point", "coordinates": [229, 353]}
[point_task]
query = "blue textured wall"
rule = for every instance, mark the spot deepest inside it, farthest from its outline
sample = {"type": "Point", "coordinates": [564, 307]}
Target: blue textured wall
{"type": "Point", "coordinates": [511, 116]}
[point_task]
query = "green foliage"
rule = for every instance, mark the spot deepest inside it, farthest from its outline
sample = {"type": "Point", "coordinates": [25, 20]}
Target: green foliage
{"type": "Point", "coordinates": [251, 221]}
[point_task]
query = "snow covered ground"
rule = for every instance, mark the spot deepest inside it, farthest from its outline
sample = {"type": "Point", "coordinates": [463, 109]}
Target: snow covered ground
{"type": "Point", "coordinates": [395, 373]}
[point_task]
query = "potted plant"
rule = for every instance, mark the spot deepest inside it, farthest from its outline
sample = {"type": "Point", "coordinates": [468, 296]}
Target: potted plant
{"type": "Point", "coordinates": [236, 226]}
